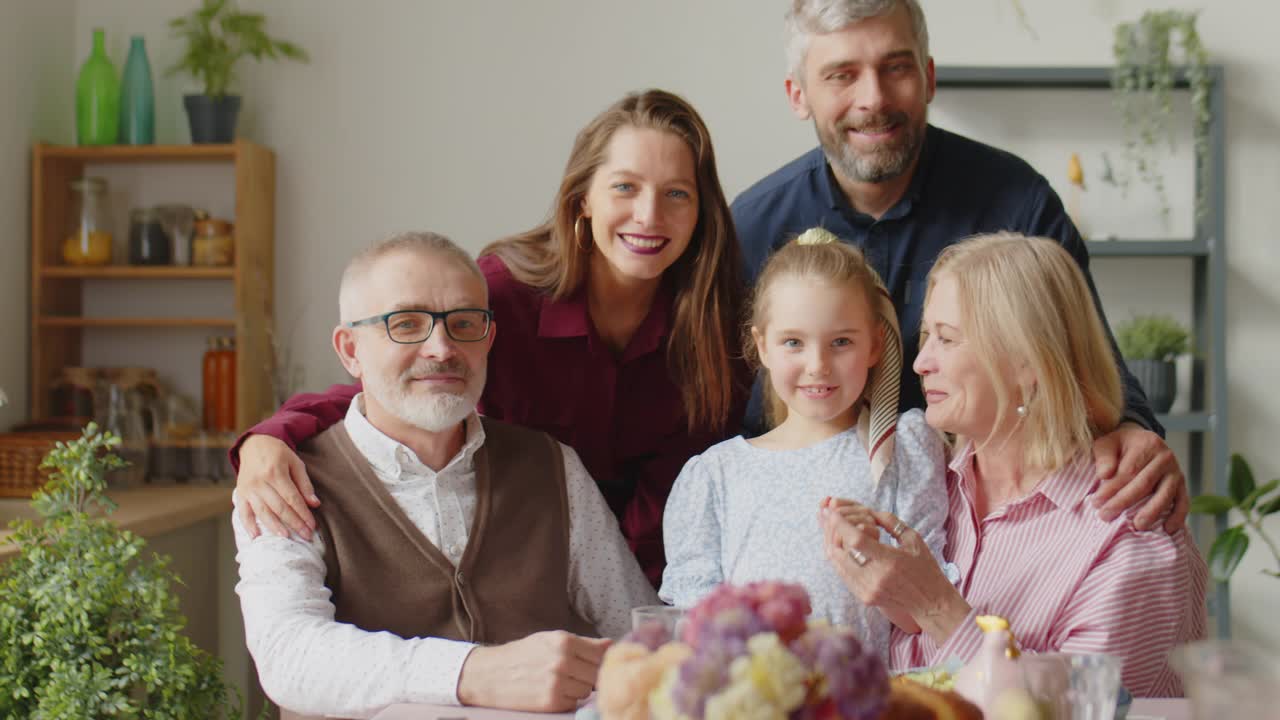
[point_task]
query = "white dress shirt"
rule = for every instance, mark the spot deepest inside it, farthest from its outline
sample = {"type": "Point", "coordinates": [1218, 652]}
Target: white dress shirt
{"type": "Point", "coordinates": [310, 663]}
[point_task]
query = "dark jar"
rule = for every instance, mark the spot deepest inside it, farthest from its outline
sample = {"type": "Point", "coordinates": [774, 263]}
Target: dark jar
{"type": "Point", "coordinates": [149, 244]}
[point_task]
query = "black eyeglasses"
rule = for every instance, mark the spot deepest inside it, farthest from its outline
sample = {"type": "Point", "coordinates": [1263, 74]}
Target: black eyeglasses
{"type": "Point", "coordinates": [409, 327]}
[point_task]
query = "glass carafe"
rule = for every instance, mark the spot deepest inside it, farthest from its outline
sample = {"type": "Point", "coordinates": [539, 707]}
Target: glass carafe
{"type": "Point", "coordinates": [123, 417]}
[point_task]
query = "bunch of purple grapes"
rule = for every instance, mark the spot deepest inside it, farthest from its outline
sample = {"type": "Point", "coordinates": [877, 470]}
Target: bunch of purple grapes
{"type": "Point", "coordinates": [856, 680]}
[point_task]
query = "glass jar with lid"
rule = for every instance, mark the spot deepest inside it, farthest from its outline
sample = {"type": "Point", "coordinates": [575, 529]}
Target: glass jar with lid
{"type": "Point", "coordinates": [149, 242]}
{"type": "Point", "coordinates": [213, 243]}
{"type": "Point", "coordinates": [88, 240]}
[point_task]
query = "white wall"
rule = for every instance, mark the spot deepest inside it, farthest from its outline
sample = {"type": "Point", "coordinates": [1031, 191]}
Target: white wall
{"type": "Point", "coordinates": [37, 94]}
{"type": "Point", "coordinates": [458, 116]}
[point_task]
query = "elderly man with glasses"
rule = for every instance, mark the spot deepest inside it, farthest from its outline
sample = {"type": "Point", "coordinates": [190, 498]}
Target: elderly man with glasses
{"type": "Point", "coordinates": [457, 559]}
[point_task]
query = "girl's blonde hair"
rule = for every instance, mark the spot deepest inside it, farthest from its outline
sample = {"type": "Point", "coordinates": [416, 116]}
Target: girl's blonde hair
{"type": "Point", "coordinates": [706, 280]}
{"type": "Point", "coordinates": [1025, 301]}
{"type": "Point", "coordinates": [816, 255]}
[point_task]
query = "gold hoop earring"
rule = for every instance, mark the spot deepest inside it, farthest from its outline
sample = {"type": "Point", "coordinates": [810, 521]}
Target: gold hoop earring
{"type": "Point", "coordinates": [577, 235]}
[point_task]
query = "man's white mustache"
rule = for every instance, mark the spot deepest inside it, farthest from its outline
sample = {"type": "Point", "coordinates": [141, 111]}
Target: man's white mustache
{"type": "Point", "coordinates": [435, 368]}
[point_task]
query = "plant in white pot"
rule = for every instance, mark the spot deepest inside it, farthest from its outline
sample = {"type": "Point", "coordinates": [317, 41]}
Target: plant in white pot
{"type": "Point", "coordinates": [1149, 344]}
{"type": "Point", "coordinates": [219, 35]}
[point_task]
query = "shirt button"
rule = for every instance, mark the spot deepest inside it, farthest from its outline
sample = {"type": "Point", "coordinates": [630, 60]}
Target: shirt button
{"type": "Point", "coordinates": [454, 550]}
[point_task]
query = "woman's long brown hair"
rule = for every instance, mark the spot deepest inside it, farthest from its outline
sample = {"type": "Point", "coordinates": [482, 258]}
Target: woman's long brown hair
{"type": "Point", "coordinates": [706, 280]}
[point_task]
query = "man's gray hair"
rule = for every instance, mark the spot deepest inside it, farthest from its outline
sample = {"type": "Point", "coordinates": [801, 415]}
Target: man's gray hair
{"type": "Point", "coordinates": [427, 243]}
{"type": "Point", "coordinates": [807, 18]}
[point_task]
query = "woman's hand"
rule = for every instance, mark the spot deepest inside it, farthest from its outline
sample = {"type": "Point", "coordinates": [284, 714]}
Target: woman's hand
{"type": "Point", "coordinates": [864, 522]}
{"type": "Point", "coordinates": [905, 580]}
{"type": "Point", "coordinates": [271, 485]}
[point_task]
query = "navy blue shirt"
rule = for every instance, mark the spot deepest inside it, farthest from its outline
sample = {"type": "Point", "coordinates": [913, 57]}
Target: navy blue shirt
{"type": "Point", "coordinates": [960, 188]}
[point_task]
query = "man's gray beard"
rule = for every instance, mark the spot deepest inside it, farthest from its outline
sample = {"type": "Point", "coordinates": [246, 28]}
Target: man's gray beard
{"type": "Point", "coordinates": [883, 165]}
{"type": "Point", "coordinates": [436, 412]}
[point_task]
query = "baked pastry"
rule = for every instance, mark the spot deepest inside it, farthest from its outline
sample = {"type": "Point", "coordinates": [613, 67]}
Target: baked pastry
{"type": "Point", "coordinates": [910, 700]}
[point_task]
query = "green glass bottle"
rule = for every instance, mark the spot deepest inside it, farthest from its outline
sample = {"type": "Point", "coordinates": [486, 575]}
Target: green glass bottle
{"type": "Point", "coordinates": [97, 97]}
{"type": "Point", "coordinates": [137, 99]}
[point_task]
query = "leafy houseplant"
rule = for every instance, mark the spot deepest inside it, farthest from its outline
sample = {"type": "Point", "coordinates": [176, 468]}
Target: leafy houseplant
{"type": "Point", "coordinates": [219, 35]}
{"type": "Point", "coordinates": [1252, 501]}
{"type": "Point", "coordinates": [1149, 343]}
{"type": "Point", "coordinates": [1143, 80]}
{"type": "Point", "coordinates": [88, 626]}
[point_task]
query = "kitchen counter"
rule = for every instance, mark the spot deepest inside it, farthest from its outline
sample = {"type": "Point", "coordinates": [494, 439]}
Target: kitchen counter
{"type": "Point", "coordinates": [147, 511]}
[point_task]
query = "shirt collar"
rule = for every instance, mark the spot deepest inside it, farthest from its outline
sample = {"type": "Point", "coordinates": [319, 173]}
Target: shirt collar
{"type": "Point", "coordinates": [1065, 487]}
{"type": "Point", "coordinates": [392, 460]}
{"type": "Point", "coordinates": [835, 197]}
{"type": "Point", "coordinates": [570, 318]}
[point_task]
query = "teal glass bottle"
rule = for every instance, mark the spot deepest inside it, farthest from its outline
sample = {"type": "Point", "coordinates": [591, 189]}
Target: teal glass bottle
{"type": "Point", "coordinates": [137, 97]}
{"type": "Point", "coordinates": [97, 97]}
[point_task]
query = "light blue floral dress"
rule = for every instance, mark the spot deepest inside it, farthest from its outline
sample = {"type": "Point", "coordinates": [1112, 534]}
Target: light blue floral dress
{"type": "Point", "coordinates": [739, 513]}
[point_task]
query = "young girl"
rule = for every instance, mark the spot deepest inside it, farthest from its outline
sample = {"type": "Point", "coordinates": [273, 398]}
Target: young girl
{"type": "Point", "coordinates": [824, 331]}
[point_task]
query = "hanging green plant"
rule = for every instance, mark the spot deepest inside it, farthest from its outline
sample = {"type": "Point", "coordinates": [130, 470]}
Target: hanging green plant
{"type": "Point", "coordinates": [1143, 81]}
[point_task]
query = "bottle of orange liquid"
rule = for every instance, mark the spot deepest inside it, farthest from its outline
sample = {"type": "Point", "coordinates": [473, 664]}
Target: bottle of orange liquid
{"type": "Point", "coordinates": [209, 384]}
{"type": "Point", "coordinates": [226, 371]}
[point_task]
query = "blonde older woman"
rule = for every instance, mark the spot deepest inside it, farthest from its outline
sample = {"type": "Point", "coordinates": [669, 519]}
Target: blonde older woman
{"type": "Point", "coordinates": [1014, 362]}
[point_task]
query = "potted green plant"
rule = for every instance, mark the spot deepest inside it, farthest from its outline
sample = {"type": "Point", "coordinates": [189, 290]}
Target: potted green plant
{"type": "Point", "coordinates": [218, 35]}
{"type": "Point", "coordinates": [1149, 344]}
{"type": "Point", "coordinates": [1149, 56]}
{"type": "Point", "coordinates": [1254, 502]}
{"type": "Point", "coordinates": [88, 625]}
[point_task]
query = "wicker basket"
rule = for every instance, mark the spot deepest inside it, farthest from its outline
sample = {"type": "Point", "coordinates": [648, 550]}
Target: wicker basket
{"type": "Point", "coordinates": [20, 457]}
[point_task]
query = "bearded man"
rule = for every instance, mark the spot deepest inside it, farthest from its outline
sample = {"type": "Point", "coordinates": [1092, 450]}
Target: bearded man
{"type": "Point", "coordinates": [901, 189]}
{"type": "Point", "coordinates": [457, 560]}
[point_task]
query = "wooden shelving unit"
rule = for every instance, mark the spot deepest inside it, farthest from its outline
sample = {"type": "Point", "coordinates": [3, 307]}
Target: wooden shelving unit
{"type": "Point", "coordinates": [126, 272]}
{"type": "Point", "coordinates": [141, 322]}
{"type": "Point", "coordinates": [57, 290]}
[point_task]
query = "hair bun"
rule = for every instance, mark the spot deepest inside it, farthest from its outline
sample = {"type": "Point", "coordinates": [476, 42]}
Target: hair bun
{"type": "Point", "coordinates": [817, 236]}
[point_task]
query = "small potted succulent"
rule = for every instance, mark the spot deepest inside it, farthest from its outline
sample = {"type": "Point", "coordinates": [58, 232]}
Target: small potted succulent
{"type": "Point", "coordinates": [218, 35]}
{"type": "Point", "coordinates": [1149, 344]}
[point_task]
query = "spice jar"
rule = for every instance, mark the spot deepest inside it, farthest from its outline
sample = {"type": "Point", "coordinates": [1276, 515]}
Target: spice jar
{"type": "Point", "coordinates": [88, 241]}
{"type": "Point", "coordinates": [73, 393]}
{"type": "Point", "coordinates": [212, 243]}
{"type": "Point", "coordinates": [149, 244]}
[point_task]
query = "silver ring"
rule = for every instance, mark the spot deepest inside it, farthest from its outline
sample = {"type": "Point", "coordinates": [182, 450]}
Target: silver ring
{"type": "Point", "coordinates": [898, 528]}
{"type": "Point", "coordinates": [857, 556]}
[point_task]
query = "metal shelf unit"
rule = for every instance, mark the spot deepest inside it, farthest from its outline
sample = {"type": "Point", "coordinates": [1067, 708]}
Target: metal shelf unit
{"type": "Point", "coordinates": [1206, 423]}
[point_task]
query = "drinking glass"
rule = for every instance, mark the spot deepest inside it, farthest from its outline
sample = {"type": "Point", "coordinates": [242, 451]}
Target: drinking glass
{"type": "Point", "coordinates": [668, 617]}
{"type": "Point", "coordinates": [1095, 686]}
{"type": "Point", "coordinates": [1080, 687]}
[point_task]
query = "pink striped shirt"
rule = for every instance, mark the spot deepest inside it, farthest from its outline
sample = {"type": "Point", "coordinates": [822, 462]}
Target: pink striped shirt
{"type": "Point", "coordinates": [1067, 581]}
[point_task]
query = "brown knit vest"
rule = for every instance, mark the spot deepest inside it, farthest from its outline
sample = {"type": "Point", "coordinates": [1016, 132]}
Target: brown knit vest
{"type": "Point", "coordinates": [385, 574]}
